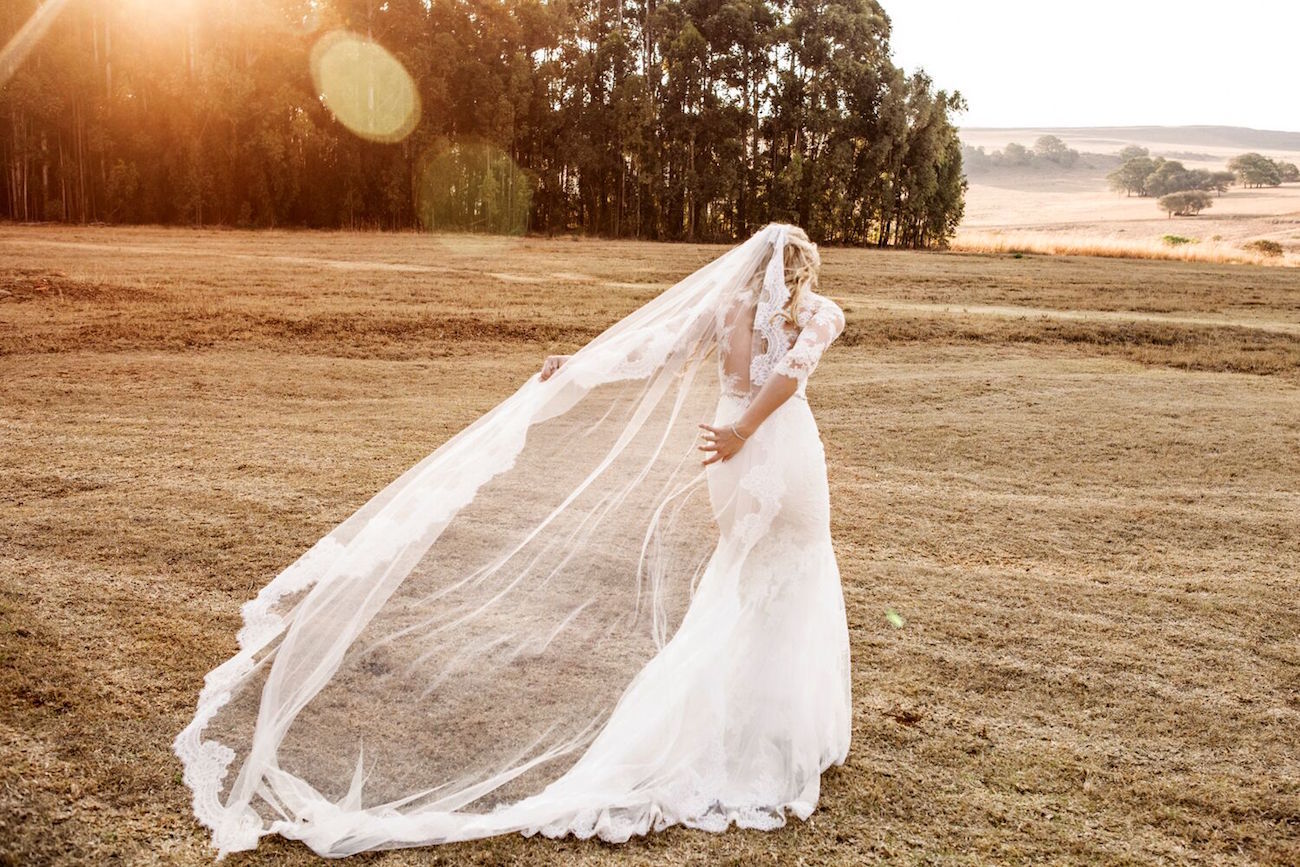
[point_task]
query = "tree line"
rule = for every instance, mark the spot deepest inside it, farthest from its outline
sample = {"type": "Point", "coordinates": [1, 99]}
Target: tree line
{"type": "Point", "coordinates": [658, 119]}
{"type": "Point", "coordinates": [1181, 191]}
{"type": "Point", "coordinates": [1048, 151]}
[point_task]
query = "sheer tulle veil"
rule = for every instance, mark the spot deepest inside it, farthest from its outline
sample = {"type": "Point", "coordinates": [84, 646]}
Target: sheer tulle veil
{"type": "Point", "coordinates": [449, 653]}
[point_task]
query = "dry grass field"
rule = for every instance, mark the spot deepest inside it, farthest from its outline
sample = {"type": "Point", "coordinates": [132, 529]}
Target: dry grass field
{"type": "Point", "coordinates": [1077, 479]}
{"type": "Point", "coordinates": [1074, 211]}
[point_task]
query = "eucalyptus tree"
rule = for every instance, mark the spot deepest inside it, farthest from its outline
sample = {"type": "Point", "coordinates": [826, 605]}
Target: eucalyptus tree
{"type": "Point", "coordinates": [662, 119]}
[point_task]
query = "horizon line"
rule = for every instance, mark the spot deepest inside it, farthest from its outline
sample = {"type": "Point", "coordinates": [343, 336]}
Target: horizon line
{"type": "Point", "coordinates": [1004, 127]}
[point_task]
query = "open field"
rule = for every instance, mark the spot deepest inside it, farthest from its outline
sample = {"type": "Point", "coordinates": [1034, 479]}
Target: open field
{"type": "Point", "coordinates": [1060, 210]}
{"type": "Point", "coordinates": [1077, 479]}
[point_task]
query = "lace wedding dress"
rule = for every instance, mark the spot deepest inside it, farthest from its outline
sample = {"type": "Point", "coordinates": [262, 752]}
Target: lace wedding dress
{"type": "Point", "coordinates": [559, 622]}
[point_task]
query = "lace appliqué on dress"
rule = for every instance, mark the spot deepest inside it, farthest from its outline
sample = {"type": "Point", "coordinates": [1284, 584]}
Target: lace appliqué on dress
{"type": "Point", "coordinates": [822, 327]}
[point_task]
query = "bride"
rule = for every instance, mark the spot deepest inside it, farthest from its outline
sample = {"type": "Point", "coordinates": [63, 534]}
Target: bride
{"type": "Point", "coordinates": [589, 612]}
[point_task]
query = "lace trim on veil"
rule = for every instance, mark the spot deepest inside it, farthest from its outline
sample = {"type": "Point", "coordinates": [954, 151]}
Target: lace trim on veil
{"type": "Point", "coordinates": [206, 763]}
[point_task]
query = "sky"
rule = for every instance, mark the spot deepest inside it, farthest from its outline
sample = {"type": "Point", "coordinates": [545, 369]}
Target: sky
{"type": "Point", "coordinates": [1046, 63]}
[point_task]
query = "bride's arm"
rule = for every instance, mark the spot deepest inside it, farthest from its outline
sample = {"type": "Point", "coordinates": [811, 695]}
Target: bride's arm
{"type": "Point", "coordinates": [793, 368]}
{"type": "Point", "coordinates": [552, 364]}
{"type": "Point", "coordinates": [726, 440]}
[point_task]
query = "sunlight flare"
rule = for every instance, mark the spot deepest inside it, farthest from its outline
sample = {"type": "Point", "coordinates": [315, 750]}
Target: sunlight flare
{"type": "Point", "coordinates": [365, 87]}
{"type": "Point", "coordinates": [473, 196]}
{"type": "Point", "coordinates": [13, 54]}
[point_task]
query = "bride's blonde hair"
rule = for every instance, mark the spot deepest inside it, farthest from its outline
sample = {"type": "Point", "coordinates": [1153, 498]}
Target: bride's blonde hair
{"type": "Point", "coordinates": [801, 266]}
{"type": "Point", "coordinates": [802, 263]}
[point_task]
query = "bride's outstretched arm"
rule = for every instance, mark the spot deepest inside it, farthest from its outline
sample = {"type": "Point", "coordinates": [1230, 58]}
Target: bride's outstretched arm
{"type": "Point", "coordinates": [552, 364]}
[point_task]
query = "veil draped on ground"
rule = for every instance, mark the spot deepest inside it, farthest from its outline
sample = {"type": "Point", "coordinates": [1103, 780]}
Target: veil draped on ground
{"type": "Point", "coordinates": [451, 650]}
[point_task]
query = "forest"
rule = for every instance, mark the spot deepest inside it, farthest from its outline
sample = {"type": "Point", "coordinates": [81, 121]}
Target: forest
{"type": "Point", "coordinates": [695, 120]}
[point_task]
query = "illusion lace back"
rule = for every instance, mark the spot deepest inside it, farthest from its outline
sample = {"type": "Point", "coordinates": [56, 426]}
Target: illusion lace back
{"type": "Point", "coordinates": [558, 622]}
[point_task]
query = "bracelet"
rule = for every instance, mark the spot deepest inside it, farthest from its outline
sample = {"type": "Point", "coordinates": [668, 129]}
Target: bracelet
{"type": "Point", "coordinates": [737, 433]}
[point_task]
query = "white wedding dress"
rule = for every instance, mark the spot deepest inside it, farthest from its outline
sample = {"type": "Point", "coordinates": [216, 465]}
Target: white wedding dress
{"type": "Point", "coordinates": [559, 622]}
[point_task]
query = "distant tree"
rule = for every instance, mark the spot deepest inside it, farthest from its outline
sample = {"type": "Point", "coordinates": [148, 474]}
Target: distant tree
{"type": "Point", "coordinates": [1198, 179]}
{"type": "Point", "coordinates": [1170, 176]}
{"type": "Point", "coordinates": [1131, 178]}
{"type": "Point", "coordinates": [1220, 181]}
{"type": "Point", "coordinates": [1053, 149]}
{"type": "Point", "coordinates": [1290, 172]}
{"type": "Point", "coordinates": [1185, 204]}
{"type": "Point", "coordinates": [1016, 154]}
{"type": "Point", "coordinates": [975, 157]}
{"type": "Point", "coordinates": [1131, 152]}
{"type": "Point", "coordinates": [1256, 170]}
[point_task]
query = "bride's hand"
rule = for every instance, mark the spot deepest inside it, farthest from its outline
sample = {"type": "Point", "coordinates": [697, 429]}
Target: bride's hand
{"type": "Point", "coordinates": [552, 364]}
{"type": "Point", "coordinates": [722, 441]}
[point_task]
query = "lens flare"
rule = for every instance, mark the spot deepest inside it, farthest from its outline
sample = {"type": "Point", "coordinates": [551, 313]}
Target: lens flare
{"type": "Point", "coordinates": [365, 87]}
{"type": "Point", "coordinates": [14, 53]}
{"type": "Point", "coordinates": [472, 187]}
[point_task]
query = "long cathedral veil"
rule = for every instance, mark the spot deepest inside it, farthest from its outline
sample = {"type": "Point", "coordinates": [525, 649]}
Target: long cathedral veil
{"type": "Point", "coordinates": [456, 645]}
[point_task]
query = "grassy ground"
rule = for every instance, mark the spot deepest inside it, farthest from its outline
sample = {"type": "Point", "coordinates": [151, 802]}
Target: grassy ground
{"type": "Point", "coordinates": [1077, 479]}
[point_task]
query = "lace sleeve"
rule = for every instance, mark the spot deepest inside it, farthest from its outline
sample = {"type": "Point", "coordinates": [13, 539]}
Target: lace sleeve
{"type": "Point", "coordinates": [821, 329]}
